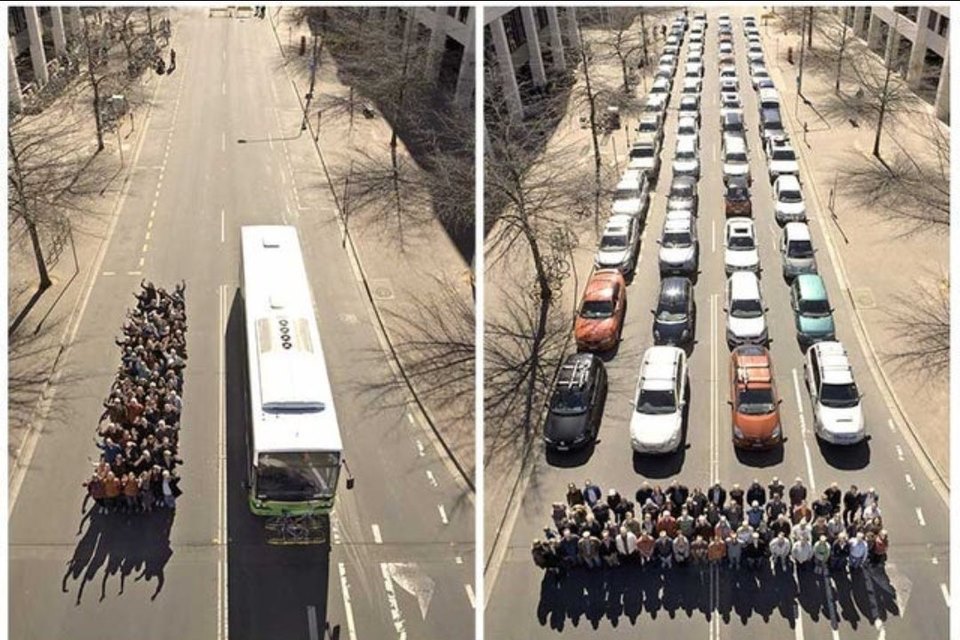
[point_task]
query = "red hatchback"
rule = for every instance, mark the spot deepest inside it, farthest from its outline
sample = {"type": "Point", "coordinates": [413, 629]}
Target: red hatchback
{"type": "Point", "coordinates": [600, 318]}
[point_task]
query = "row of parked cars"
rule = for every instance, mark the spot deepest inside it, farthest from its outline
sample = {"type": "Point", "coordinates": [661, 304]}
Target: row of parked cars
{"type": "Point", "coordinates": [662, 389]}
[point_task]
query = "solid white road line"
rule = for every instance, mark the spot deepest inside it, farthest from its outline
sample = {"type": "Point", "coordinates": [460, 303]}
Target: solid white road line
{"type": "Point", "coordinates": [803, 431]}
{"type": "Point", "coordinates": [376, 533]}
{"type": "Point", "coordinates": [347, 606]}
{"type": "Point", "coordinates": [798, 622]}
{"type": "Point", "coordinates": [713, 236]}
{"type": "Point", "coordinates": [109, 273]}
{"type": "Point", "coordinates": [946, 594]}
{"type": "Point", "coordinates": [471, 596]}
{"type": "Point", "coordinates": [443, 514]}
{"type": "Point", "coordinates": [920, 519]}
{"type": "Point", "coordinates": [223, 570]}
{"type": "Point", "coordinates": [714, 393]}
{"type": "Point", "coordinates": [890, 424]}
{"type": "Point", "coordinates": [223, 216]}
{"type": "Point", "coordinates": [312, 627]}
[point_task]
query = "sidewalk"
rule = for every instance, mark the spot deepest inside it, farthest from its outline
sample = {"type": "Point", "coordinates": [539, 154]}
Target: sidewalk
{"type": "Point", "coordinates": [421, 292]}
{"type": "Point", "coordinates": [44, 331]}
{"type": "Point", "coordinates": [861, 235]}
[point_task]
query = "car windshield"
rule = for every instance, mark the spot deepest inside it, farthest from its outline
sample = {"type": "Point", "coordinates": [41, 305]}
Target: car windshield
{"type": "Point", "coordinates": [737, 193]}
{"type": "Point", "coordinates": [677, 239]}
{"type": "Point", "coordinates": [626, 194]}
{"type": "Point", "coordinates": [681, 191]}
{"type": "Point", "coordinates": [688, 106]}
{"type": "Point", "coordinates": [568, 401]}
{"type": "Point", "coordinates": [297, 476]}
{"type": "Point", "coordinates": [755, 401]}
{"type": "Point", "coordinates": [819, 308]}
{"type": "Point", "coordinates": [641, 152]}
{"type": "Point", "coordinates": [737, 157]}
{"type": "Point", "coordinates": [839, 396]}
{"type": "Point", "coordinates": [687, 130]}
{"type": "Point", "coordinates": [648, 125]}
{"type": "Point", "coordinates": [686, 155]}
{"type": "Point", "coordinates": [658, 401]}
{"type": "Point", "coordinates": [746, 308]}
{"type": "Point", "coordinates": [613, 241]}
{"type": "Point", "coordinates": [741, 243]}
{"type": "Point", "coordinates": [791, 196]}
{"type": "Point", "coordinates": [672, 309]}
{"type": "Point", "coordinates": [800, 249]}
{"type": "Point", "coordinates": [783, 154]}
{"type": "Point", "coordinates": [596, 309]}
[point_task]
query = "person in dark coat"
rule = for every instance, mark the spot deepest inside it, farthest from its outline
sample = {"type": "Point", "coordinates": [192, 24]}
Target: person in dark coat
{"type": "Point", "coordinates": [834, 496]}
{"type": "Point", "coordinates": [733, 512]}
{"type": "Point", "coordinates": [821, 507]}
{"type": "Point", "coordinates": [775, 488]}
{"type": "Point", "coordinates": [775, 507]}
{"type": "Point", "coordinates": [851, 505]}
{"type": "Point", "coordinates": [798, 492]}
{"type": "Point", "coordinates": [717, 495]}
{"type": "Point", "coordinates": [613, 501]}
{"type": "Point", "coordinates": [736, 494]}
{"type": "Point", "coordinates": [591, 493]}
{"type": "Point", "coordinates": [756, 493]}
{"type": "Point", "coordinates": [699, 499]}
{"type": "Point", "coordinates": [645, 491]}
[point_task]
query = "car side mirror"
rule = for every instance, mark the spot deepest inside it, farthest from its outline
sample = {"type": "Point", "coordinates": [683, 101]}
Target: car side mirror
{"type": "Point", "coordinates": [779, 400]}
{"type": "Point", "coordinates": [350, 483]}
{"type": "Point", "coordinates": [726, 310]}
{"type": "Point", "coordinates": [766, 309]}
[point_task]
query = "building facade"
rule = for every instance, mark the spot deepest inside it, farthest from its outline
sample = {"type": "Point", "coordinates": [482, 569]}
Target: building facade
{"type": "Point", "coordinates": [916, 39]}
{"type": "Point", "coordinates": [37, 36]}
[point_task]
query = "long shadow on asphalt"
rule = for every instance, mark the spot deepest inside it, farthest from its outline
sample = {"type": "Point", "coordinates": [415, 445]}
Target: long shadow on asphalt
{"type": "Point", "coordinates": [760, 459]}
{"type": "Point", "coordinates": [632, 591]}
{"type": "Point", "coordinates": [270, 587]}
{"type": "Point", "coordinates": [116, 543]}
{"type": "Point", "coordinates": [848, 458]}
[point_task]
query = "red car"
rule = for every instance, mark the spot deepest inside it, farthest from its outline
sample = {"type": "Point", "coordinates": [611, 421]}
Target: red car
{"type": "Point", "coordinates": [602, 308]}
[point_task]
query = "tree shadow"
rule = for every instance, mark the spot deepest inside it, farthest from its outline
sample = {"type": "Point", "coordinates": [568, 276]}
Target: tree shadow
{"type": "Point", "coordinates": [120, 544]}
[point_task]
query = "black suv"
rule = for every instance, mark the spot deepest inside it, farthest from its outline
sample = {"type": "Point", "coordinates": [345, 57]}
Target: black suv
{"type": "Point", "coordinates": [576, 406]}
{"type": "Point", "coordinates": [676, 314]}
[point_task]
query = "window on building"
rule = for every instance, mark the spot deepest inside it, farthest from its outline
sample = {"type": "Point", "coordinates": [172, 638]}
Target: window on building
{"type": "Point", "coordinates": [943, 28]}
{"type": "Point", "coordinates": [932, 20]}
{"type": "Point", "coordinates": [909, 12]}
{"type": "Point", "coordinates": [513, 25]}
{"type": "Point", "coordinates": [542, 19]}
{"type": "Point", "coordinates": [463, 13]}
{"type": "Point", "coordinates": [452, 12]}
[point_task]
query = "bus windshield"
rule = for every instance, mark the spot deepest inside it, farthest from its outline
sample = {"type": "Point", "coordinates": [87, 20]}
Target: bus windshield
{"type": "Point", "coordinates": [299, 476]}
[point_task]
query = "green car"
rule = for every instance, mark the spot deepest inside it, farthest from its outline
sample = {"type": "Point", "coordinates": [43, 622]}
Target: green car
{"type": "Point", "coordinates": [812, 313]}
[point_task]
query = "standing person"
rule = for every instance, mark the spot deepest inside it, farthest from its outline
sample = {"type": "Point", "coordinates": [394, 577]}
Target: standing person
{"type": "Point", "coordinates": [131, 491]}
{"type": "Point", "coordinates": [717, 495]}
{"type": "Point", "coordinates": [776, 488]}
{"type": "Point", "coordinates": [722, 528]}
{"type": "Point", "coordinates": [111, 491]}
{"type": "Point", "coordinates": [756, 493]}
{"type": "Point", "coordinates": [756, 551]}
{"type": "Point", "coordinates": [685, 523]}
{"type": "Point", "coordinates": [840, 551]}
{"type": "Point", "coordinates": [589, 550]}
{"type": "Point", "coordinates": [667, 524]}
{"type": "Point", "coordinates": [645, 547]}
{"type": "Point", "coordinates": [94, 488]}
{"type": "Point", "coordinates": [700, 500]}
{"type": "Point", "coordinates": [881, 545]}
{"type": "Point", "coordinates": [681, 549]}
{"type": "Point", "coordinates": [821, 507]}
{"type": "Point", "coordinates": [663, 548]}
{"type": "Point", "coordinates": [170, 490]}
{"type": "Point", "coordinates": [736, 494]}
{"type": "Point", "coordinates": [716, 551]}
{"type": "Point", "coordinates": [851, 505]}
{"type": "Point", "coordinates": [780, 552]}
{"type": "Point", "coordinates": [834, 496]}
{"type": "Point", "coordinates": [781, 525]}
{"type": "Point", "coordinates": [834, 526]}
{"type": "Point", "coordinates": [698, 553]}
{"type": "Point", "coordinates": [538, 553]}
{"type": "Point", "coordinates": [644, 493]}
{"type": "Point", "coordinates": [626, 545]}
{"type": "Point", "coordinates": [608, 550]}
{"type": "Point", "coordinates": [559, 514]}
{"type": "Point", "coordinates": [569, 550]}
{"type": "Point", "coordinates": [821, 555]}
{"type": "Point", "coordinates": [857, 551]}
{"type": "Point", "coordinates": [734, 551]}
{"type": "Point", "coordinates": [802, 530]}
{"type": "Point", "coordinates": [754, 514]}
{"type": "Point", "coordinates": [802, 512]}
{"type": "Point", "coordinates": [591, 493]}
{"type": "Point", "coordinates": [574, 495]}
{"type": "Point", "coordinates": [173, 59]}
{"type": "Point", "coordinates": [798, 492]}
{"type": "Point", "coordinates": [647, 525]}
{"type": "Point", "coordinates": [734, 512]}
{"type": "Point", "coordinates": [775, 507]}
{"type": "Point", "coordinates": [802, 553]}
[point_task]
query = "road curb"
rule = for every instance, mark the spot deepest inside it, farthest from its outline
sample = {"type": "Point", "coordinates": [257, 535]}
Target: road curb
{"type": "Point", "coordinates": [354, 255]}
{"type": "Point", "coordinates": [899, 414]}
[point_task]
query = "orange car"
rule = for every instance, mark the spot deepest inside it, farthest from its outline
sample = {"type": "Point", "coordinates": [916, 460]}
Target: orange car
{"type": "Point", "coordinates": [754, 401]}
{"type": "Point", "coordinates": [600, 318]}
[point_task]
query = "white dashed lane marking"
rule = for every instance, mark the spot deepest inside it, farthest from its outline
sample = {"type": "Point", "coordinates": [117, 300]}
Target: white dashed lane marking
{"type": "Point", "coordinates": [946, 594]}
{"type": "Point", "coordinates": [376, 533]}
{"type": "Point", "coordinates": [920, 519]}
{"type": "Point", "coordinates": [444, 520]}
{"type": "Point", "coordinates": [431, 478]}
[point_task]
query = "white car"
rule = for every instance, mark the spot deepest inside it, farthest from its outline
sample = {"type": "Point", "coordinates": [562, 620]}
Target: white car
{"type": "Point", "coordinates": [781, 159]}
{"type": "Point", "coordinates": [692, 86]}
{"type": "Point", "coordinates": [746, 315]}
{"type": "Point", "coordinates": [726, 48]}
{"type": "Point", "coordinates": [736, 163]}
{"type": "Point", "coordinates": [730, 103]}
{"type": "Point", "coordinates": [740, 246]}
{"type": "Point", "coordinates": [632, 195]}
{"type": "Point", "coordinates": [618, 244]}
{"type": "Point", "coordinates": [837, 407]}
{"type": "Point", "coordinates": [693, 70]}
{"type": "Point", "coordinates": [696, 46]}
{"type": "Point", "coordinates": [788, 200]}
{"type": "Point", "coordinates": [687, 129]}
{"type": "Point", "coordinates": [668, 60]}
{"type": "Point", "coordinates": [760, 75]}
{"type": "Point", "coordinates": [686, 160]}
{"type": "Point", "coordinates": [755, 53]}
{"type": "Point", "coordinates": [695, 56]}
{"type": "Point", "coordinates": [657, 422]}
{"type": "Point", "coordinates": [655, 103]}
{"type": "Point", "coordinates": [690, 106]}
{"type": "Point", "coordinates": [678, 247]}
{"type": "Point", "coordinates": [661, 87]}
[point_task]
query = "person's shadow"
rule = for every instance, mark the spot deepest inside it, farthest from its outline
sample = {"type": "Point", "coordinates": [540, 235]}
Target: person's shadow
{"type": "Point", "coordinates": [118, 543]}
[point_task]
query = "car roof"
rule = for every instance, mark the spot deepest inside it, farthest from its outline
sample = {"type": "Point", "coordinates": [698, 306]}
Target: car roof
{"type": "Point", "coordinates": [741, 226]}
{"type": "Point", "coordinates": [678, 214]}
{"type": "Point", "coordinates": [677, 224]}
{"type": "Point", "coordinates": [834, 363]}
{"type": "Point", "coordinates": [787, 181]}
{"type": "Point", "coordinates": [810, 286]}
{"type": "Point", "coordinates": [796, 231]}
{"type": "Point", "coordinates": [674, 287]}
{"type": "Point", "coordinates": [575, 369]}
{"type": "Point", "coordinates": [688, 99]}
{"type": "Point", "coordinates": [684, 180]}
{"type": "Point", "coordinates": [617, 223]}
{"type": "Point", "coordinates": [601, 283]}
{"type": "Point", "coordinates": [659, 367]}
{"type": "Point", "coordinates": [753, 366]}
{"type": "Point", "coordinates": [734, 144]}
{"type": "Point", "coordinates": [744, 284]}
{"type": "Point", "coordinates": [687, 120]}
{"type": "Point", "coordinates": [686, 144]}
{"type": "Point", "coordinates": [644, 138]}
{"type": "Point", "coordinates": [737, 182]}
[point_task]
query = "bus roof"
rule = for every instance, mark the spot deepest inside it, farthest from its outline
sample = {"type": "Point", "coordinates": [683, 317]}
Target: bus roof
{"type": "Point", "coordinates": [291, 400]}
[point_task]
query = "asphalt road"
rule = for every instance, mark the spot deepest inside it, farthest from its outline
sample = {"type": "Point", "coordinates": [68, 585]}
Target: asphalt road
{"type": "Point", "coordinates": [401, 558]}
{"type": "Point", "coordinates": [909, 600]}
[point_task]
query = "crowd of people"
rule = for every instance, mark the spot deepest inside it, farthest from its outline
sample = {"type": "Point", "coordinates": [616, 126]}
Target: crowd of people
{"type": "Point", "coordinates": [760, 526]}
{"type": "Point", "coordinates": [139, 428]}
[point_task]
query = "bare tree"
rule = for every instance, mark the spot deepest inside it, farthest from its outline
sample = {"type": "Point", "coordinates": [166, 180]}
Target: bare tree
{"type": "Point", "coordinates": [912, 189]}
{"type": "Point", "coordinates": [922, 322]}
{"type": "Point", "coordinates": [622, 42]}
{"type": "Point", "coordinates": [592, 104]}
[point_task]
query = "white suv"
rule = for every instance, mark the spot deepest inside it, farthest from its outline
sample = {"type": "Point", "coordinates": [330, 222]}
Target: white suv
{"type": "Point", "coordinates": [657, 422]}
{"type": "Point", "coordinates": [788, 200]}
{"type": "Point", "coordinates": [746, 321]}
{"type": "Point", "coordinates": [837, 410]}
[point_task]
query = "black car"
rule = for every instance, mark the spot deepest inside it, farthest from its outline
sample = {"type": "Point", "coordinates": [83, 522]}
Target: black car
{"type": "Point", "coordinates": [683, 194]}
{"type": "Point", "coordinates": [576, 405]}
{"type": "Point", "coordinates": [737, 198]}
{"type": "Point", "coordinates": [676, 314]}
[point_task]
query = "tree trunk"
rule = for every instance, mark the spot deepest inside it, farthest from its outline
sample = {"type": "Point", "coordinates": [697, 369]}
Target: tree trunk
{"type": "Point", "coordinates": [810, 27]}
{"type": "Point", "coordinates": [149, 22]}
{"type": "Point", "coordinates": [546, 298]}
{"type": "Point", "coordinates": [45, 281]}
{"type": "Point", "coordinates": [843, 46]}
{"type": "Point", "coordinates": [592, 101]}
{"type": "Point", "coordinates": [625, 71]}
{"type": "Point", "coordinates": [26, 214]}
{"type": "Point", "coordinates": [884, 97]}
{"type": "Point", "coordinates": [643, 35]}
{"type": "Point", "coordinates": [94, 83]}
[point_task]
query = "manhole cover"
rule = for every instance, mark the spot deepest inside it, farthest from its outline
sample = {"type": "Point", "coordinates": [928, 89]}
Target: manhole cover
{"type": "Point", "coordinates": [864, 298]}
{"type": "Point", "coordinates": [349, 318]}
{"type": "Point", "coordinates": [381, 289]}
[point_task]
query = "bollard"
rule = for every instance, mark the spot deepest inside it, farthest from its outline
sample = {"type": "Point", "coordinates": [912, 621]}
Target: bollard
{"type": "Point", "coordinates": [303, 45]}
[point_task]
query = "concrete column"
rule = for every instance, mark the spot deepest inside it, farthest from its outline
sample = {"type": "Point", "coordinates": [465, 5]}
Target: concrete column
{"type": "Point", "coordinates": [873, 31]}
{"type": "Point", "coordinates": [942, 102]}
{"type": "Point", "coordinates": [556, 40]}
{"type": "Point", "coordinates": [37, 55]}
{"type": "Point", "coordinates": [893, 45]}
{"type": "Point", "coordinates": [858, 20]}
{"type": "Point", "coordinates": [533, 46]}
{"type": "Point", "coordinates": [438, 38]}
{"type": "Point", "coordinates": [918, 51]}
{"type": "Point", "coordinates": [59, 35]}
{"type": "Point", "coordinates": [75, 22]}
{"type": "Point", "coordinates": [572, 27]}
{"type": "Point", "coordinates": [13, 83]}
{"type": "Point", "coordinates": [507, 74]}
{"type": "Point", "coordinates": [466, 79]}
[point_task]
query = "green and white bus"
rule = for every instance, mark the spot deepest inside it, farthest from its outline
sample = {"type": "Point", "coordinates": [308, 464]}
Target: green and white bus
{"type": "Point", "coordinates": [293, 441]}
